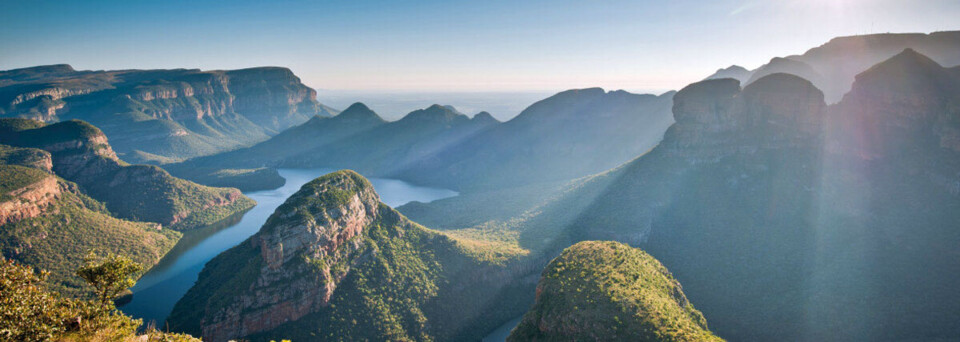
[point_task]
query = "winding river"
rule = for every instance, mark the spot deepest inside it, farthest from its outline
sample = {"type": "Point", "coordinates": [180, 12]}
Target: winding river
{"type": "Point", "coordinates": [160, 288]}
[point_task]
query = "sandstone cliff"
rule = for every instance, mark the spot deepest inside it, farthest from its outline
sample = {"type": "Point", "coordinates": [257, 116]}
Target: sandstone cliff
{"type": "Point", "coordinates": [164, 115]}
{"type": "Point", "coordinates": [81, 153]}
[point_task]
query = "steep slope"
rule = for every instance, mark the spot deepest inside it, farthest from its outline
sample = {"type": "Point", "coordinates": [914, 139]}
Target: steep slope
{"type": "Point", "coordinates": [571, 134]}
{"type": "Point", "coordinates": [80, 153]}
{"type": "Point", "coordinates": [608, 291]}
{"type": "Point", "coordinates": [334, 263]}
{"type": "Point", "coordinates": [838, 223]}
{"type": "Point", "coordinates": [163, 115]}
{"type": "Point", "coordinates": [48, 223]}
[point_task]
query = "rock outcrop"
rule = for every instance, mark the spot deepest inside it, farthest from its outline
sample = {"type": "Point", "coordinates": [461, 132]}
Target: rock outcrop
{"type": "Point", "coordinates": [299, 246]}
{"type": "Point", "coordinates": [80, 152]}
{"type": "Point", "coordinates": [29, 201]}
{"type": "Point", "coordinates": [715, 119]}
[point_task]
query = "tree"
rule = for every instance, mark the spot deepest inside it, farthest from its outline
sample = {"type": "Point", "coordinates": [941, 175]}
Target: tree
{"type": "Point", "coordinates": [109, 275]}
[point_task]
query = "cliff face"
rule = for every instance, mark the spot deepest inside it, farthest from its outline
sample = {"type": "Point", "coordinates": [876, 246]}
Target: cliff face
{"type": "Point", "coordinates": [333, 263]}
{"type": "Point", "coordinates": [164, 115]}
{"type": "Point", "coordinates": [29, 201]}
{"type": "Point", "coordinates": [714, 119]}
{"type": "Point", "coordinates": [314, 231]}
{"type": "Point", "coordinates": [81, 153]}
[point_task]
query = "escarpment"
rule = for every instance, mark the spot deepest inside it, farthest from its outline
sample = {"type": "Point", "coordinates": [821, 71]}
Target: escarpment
{"type": "Point", "coordinates": [80, 152]}
{"type": "Point", "coordinates": [763, 201]}
{"type": "Point", "coordinates": [161, 116]}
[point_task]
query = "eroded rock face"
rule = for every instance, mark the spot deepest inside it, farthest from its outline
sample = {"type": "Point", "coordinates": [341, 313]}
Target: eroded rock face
{"type": "Point", "coordinates": [715, 118]}
{"type": "Point", "coordinates": [306, 247]}
{"type": "Point", "coordinates": [29, 201]}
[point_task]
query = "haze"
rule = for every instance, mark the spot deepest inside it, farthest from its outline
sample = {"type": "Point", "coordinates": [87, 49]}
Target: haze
{"type": "Point", "coordinates": [644, 46]}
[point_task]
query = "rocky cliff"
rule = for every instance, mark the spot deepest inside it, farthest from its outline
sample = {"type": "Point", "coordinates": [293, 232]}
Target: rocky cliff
{"type": "Point", "coordinates": [768, 205]}
{"type": "Point", "coordinates": [80, 152]}
{"type": "Point", "coordinates": [164, 115]}
{"type": "Point", "coordinates": [715, 119]}
{"type": "Point", "coordinates": [333, 263]}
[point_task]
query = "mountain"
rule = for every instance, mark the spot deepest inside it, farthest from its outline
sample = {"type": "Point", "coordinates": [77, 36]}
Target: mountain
{"type": "Point", "coordinates": [833, 66]}
{"type": "Point", "coordinates": [356, 138]}
{"type": "Point", "coordinates": [161, 116]}
{"type": "Point", "coordinates": [80, 153]}
{"type": "Point", "coordinates": [568, 135]}
{"type": "Point", "coordinates": [789, 66]}
{"type": "Point", "coordinates": [48, 222]}
{"type": "Point", "coordinates": [609, 291]}
{"type": "Point", "coordinates": [334, 263]}
{"type": "Point", "coordinates": [837, 222]}
{"type": "Point", "coordinates": [736, 72]}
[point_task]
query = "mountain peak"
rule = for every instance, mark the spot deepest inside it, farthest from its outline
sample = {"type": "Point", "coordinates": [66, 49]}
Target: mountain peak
{"type": "Point", "coordinates": [484, 117]}
{"type": "Point", "coordinates": [359, 111]}
{"type": "Point", "coordinates": [435, 112]}
{"type": "Point", "coordinates": [736, 72]}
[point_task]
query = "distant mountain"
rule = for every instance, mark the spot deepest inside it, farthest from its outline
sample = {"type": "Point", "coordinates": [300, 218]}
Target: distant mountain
{"type": "Point", "coordinates": [608, 291]}
{"type": "Point", "coordinates": [334, 263]}
{"type": "Point", "coordinates": [736, 72]}
{"type": "Point", "coordinates": [833, 66]}
{"type": "Point", "coordinates": [568, 135]}
{"type": "Point", "coordinates": [48, 222]}
{"type": "Point", "coordinates": [837, 222]}
{"type": "Point", "coordinates": [80, 153]}
{"type": "Point", "coordinates": [357, 138]}
{"type": "Point", "coordinates": [161, 116]}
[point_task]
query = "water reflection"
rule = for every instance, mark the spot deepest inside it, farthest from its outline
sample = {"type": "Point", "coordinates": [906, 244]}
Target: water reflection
{"type": "Point", "coordinates": [160, 288]}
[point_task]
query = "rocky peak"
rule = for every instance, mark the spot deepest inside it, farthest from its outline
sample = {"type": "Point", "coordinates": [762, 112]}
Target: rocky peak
{"type": "Point", "coordinates": [785, 101]}
{"type": "Point", "coordinates": [714, 118]}
{"type": "Point", "coordinates": [305, 249]}
{"type": "Point", "coordinates": [898, 104]}
{"type": "Point", "coordinates": [484, 118]}
{"type": "Point", "coordinates": [434, 113]}
{"type": "Point", "coordinates": [318, 219]}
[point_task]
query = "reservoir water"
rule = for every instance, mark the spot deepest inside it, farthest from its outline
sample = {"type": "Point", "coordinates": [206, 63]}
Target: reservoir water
{"type": "Point", "coordinates": [160, 288]}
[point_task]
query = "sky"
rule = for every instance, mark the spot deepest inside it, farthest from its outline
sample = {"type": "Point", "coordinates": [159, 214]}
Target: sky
{"type": "Point", "coordinates": [455, 46]}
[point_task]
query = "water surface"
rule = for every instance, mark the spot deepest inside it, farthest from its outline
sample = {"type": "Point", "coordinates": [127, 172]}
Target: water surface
{"type": "Point", "coordinates": [161, 287]}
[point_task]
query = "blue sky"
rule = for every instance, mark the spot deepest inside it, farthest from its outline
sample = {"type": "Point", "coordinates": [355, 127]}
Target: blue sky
{"type": "Point", "coordinates": [450, 45]}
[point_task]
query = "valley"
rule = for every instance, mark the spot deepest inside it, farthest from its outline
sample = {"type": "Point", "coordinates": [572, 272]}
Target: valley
{"type": "Point", "coordinates": [814, 196]}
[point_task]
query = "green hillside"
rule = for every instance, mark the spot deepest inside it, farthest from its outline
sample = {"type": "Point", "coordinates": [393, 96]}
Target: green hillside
{"type": "Point", "coordinates": [608, 291]}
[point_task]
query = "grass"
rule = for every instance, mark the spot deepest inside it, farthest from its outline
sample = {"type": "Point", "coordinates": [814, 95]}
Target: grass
{"type": "Point", "coordinates": [610, 291]}
{"type": "Point", "coordinates": [15, 177]}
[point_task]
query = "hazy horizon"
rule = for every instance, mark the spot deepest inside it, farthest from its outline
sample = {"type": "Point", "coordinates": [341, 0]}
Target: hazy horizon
{"type": "Point", "coordinates": [435, 46]}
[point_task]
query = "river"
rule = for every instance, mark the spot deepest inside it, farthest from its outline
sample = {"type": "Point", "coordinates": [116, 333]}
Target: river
{"type": "Point", "coordinates": [160, 288]}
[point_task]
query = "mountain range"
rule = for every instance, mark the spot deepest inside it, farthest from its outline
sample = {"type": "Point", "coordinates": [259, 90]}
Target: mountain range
{"type": "Point", "coordinates": [161, 116]}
